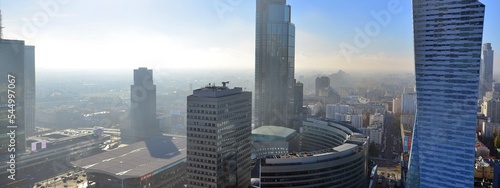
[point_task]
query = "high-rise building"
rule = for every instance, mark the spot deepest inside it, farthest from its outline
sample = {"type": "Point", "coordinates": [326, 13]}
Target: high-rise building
{"type": "Point", "coordinates": [408, 103]}
{"type": "Point", "coordinates": [274, 64]}
{"type": "Point", "coordinates": [396, 105]}
{"type": "Point", "coordinates": [486, 71]}
{"type": "Point", "coordinates": [219, 125]}
{"type": "Point", "coordinates": [143, 121]}
{"type": "Point", "coordinates": [17, 95]}
{"type": "Point", "coordinates": [299, 98]}
{"type": "Point", "coordinates": [322, 83]}
{"type": "Point", "coordinates": [12, 63]}
{"type": "Point", "coordinates": [357, 120]}
{"type": "Point", "coordinates": [30, 91]}
{"type": "Point", "coordinates": [332, 109]}
{"type": "Point", "coordinates": [447, 44]}
{"type": "Point", "coordinates": [491, 106]}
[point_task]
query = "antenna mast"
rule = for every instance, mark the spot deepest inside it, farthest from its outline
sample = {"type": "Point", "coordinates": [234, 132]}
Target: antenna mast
{"type": "Point", "coordinates": [1, 27]}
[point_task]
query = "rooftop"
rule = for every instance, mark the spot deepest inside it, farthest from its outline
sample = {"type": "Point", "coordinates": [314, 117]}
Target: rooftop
{"type": "Point", "coordinates": [137, 160]}
{"type": "Point", "coordinates": [212, 91]}
{"type": "Point", "coordinates": [274, 131]}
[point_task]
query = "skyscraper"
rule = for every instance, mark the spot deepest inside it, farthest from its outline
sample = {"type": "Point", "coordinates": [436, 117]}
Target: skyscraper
{"type": "Point", "coordinates": [17, 70]}
{"type": "Point", "coordinates": [486, 72]}
{"type": "Point", "coordinates": [30, 91]}
{"type": "Point", "coordinates": [143, 122]}
{"type": "Point", "coordinates": [321, 83]}
{"type": "Point", "coordinates": [218, 132]}
{"type": "Point", "coordinates": [274, 64]}
{"type": "Point", "coordinates": [12, 118]}
{"type": "Point", "coordinates": [447, 43]}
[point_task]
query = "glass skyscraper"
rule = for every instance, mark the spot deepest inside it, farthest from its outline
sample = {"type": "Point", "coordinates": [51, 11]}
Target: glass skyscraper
{"type": "Point", "coordinates": [486, 72]}
{"type": "Point", "coordinates": [447, 39]}
{"type": "Point", "coordinates": [15, 57]}
{"type": "Point", "coordinates": [274, 64]}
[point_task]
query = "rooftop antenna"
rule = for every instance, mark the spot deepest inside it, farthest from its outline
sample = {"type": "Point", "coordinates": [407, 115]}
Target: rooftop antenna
{"type": "Point", "coordinates": [224, 83]}
{"type": "Point", "coordinates": [1, 27]}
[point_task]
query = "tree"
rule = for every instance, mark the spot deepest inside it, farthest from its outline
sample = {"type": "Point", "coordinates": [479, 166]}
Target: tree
{"type": "Point", "coordinates": [374, 151]}
{"type": "Point", "coordinates": [497, 141]}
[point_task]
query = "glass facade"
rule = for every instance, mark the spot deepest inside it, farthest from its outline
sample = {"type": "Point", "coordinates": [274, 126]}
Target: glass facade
{"type": "Point", "coordinates": [12, 112]}
{"type": "Point", "coordinates": [274, 64]}
{"type": "Point", "coordinates": [447, 44]}
{"type": "Point", "coordinates": [486, 72]}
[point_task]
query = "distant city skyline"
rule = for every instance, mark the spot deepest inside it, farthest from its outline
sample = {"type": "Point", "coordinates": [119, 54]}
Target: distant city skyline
{"type": "Point", "coordinates": [215, 34]}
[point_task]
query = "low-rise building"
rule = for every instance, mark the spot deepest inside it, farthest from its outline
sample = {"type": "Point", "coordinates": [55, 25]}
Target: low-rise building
{"type": "Point", "coordinates": [156, 162]}
{"type": "Point", "coordinates": [274, 140]}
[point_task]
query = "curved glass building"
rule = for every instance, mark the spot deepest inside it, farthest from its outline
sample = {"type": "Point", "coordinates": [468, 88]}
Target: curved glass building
{"type": "Point", "coordinates": [333, 155]}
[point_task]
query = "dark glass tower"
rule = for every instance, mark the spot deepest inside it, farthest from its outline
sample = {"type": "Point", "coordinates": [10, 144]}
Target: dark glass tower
{"type": "Point", "coordinates": [322, 83]}
{"type": "Point", "coordinates": [12, 63]}
{"type": "Point", "coordinates": [143, 122]}
{"type": "Point", "coordinates": [30, 91]}
{"type": "Point", "coordinates": [274, 64]}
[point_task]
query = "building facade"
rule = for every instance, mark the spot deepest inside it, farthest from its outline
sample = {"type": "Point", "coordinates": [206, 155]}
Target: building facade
{"type": "Point", "coordinates": [321, 83]}
{"type": "Point", "coordinates": [486, 72]}
{"type": "Point", "coordinates": [13, 61]}
{"type": "Point", "coordinates": [274, 140]}
{"type": "Point", "coordinates": [332, 109]}
{"type": "Point", "coordinates": [396, 105]}
{"type": "Point", "coordinates": [408, 103]}
{"type": "Point", "coordinates": [30, 90]}
{"type": "Point", "coordinates": [274, 64]}
{"type": "Point", "coordinates": [333, 155]}
{"type": "Point", "coordinates": [218, 132]}
{"type": "Point", "coordinates": [357, 120]}
{"type": "Point", "coordinates": [447, 44]}
{"type": "Point", "coordinates": [143, 121]}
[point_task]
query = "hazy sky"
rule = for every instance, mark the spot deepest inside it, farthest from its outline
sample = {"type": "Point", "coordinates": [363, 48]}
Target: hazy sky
{"type": "Point", "coordinates": [105, 34]}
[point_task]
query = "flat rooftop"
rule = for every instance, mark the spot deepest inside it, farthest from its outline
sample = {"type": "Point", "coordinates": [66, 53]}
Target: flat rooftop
{"type": "Point", "coordinates": [213, 91]}
{"type": "Point", "coordinates": [270, 131]}
{"type": "Point", "coordinates": [138, 159]}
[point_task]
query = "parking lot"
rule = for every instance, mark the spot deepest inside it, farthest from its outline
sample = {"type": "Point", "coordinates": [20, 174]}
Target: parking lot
{"type": "Point", "coordinates": [69, 179]}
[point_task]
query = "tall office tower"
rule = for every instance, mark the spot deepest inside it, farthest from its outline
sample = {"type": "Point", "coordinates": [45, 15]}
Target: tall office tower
{"type": "Point", "coordinates": [486, 72]}
{"type": "Point", "coordinates": [17, 114]}
{"type": "Point", "coordinates": [12, 86]}
{"type": "Point", "coordinates": [219, 123]}
{"type": "Point", "coordinates": [274, 63]}
{"type": "Point", "coordinates": [1, 27]}
{"type": "Point", "coordinates": [408, 103]}
{"type": "Point", "coordinates": [396, 105]}
{"type": "Point", "coordinates": [321, 83]}
{"type": "Point", "coordinates": [297, 106]}
{"type": "Point", "coordinates": [299, 98]}
{"type": "Point", "coordinates": [143, 122]}
{"type": "Point", "coordinates": [29, 91]}
{"type": "Point", "coordinates": [447, 39]}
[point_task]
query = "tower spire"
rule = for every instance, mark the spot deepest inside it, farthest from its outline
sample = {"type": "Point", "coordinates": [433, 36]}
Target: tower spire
{"type": "Point", "coordinates": [1, 27]}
